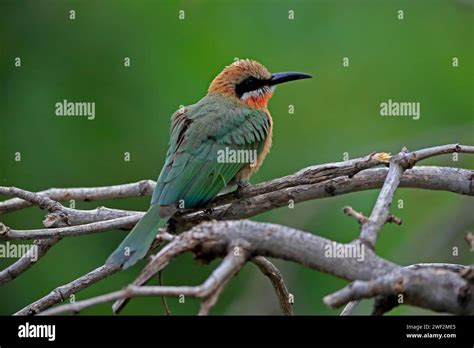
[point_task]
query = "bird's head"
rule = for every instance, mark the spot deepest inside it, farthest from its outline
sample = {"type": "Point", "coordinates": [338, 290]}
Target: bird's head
{"type": "Point", "coordinates": [250, 82]}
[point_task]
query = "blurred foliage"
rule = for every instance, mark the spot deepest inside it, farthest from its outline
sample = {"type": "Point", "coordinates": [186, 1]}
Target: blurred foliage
{"type": "Point", "coordinates": [172, 63]}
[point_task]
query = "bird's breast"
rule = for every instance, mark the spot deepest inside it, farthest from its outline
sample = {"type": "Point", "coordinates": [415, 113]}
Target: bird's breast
{"type": "Point", "coordinates": [247, 171]}
{"type": "Point", "coordinates": [268, 140]}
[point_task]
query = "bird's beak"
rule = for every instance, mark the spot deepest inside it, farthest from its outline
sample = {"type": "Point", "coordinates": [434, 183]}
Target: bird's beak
{"type": "Point", "coordinates": [282, 77]}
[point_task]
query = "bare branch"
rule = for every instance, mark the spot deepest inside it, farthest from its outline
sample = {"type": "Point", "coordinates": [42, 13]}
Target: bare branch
{"type": "Point", "coordinates": [308, 249]}
{"type": "Point", "coordinates": [41, 201]}
{"type": "Point", "coordinates": [208, 291]}
{"type": "Point", "coordinates": [426, 288]}
{"type": "Point", "coordinates": [27, 260]}
{"type": "Point", "coordinates": [468, 273]}
{"type": "Point", "coordinates": [350, 307]}
{"type": "Point", "coordinates": [441, 266]}
{"type": "Point", "coordinates": [305, 176]}
{"type": "Point", "coordinates": [81, 217]}
{"type": "Point", "coordinates": [349, 211]}
{"type": "Point", "coordinates": [231, 264]}
{"type": "Point", "coordinates": [145, 187]}
{"type": "Point", "coordinates": [159, 261]}
{"type": "Point", "coordinates": [213, 239]}
{"type": "Point", "coordinates": [415, 156]}
{"type": "Point", "coordinates": [380, 212]}
{"type": "Point", "coordinates": [362, 219]}
{"type": "Point", "coordinates": [436, 178]}
{"type": "Point", "coordinates": [374, 276]}
{"type": "Point", "coordinates": [63, 292]}
{"type": "Point", "coordinates": [71, 231]}
{"type": "Point", "coordinates": [130, 291]}
{"type": "Point", "coordinates": [398, 164]}
{"type": "Point", "coordinates": [274, 274]}
{"type": "Point", "coordinates": [140, 188]}
{"type": "Point", "coordinates": [163, 298]}
{"type": "Point", "coordinates": [394, 219]}
{"type": "Point", "coordinates": [384, 304]}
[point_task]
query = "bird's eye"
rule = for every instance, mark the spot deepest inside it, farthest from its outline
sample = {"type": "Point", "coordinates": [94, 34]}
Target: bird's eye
{"type": "Point", "coordinates": [248, 84]}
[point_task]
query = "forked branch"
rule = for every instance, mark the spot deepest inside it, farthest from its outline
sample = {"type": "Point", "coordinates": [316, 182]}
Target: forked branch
{"type": "Point", "coordinates": [447, 289]}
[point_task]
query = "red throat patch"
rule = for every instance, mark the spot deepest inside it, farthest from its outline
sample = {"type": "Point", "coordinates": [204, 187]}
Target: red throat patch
{"type": "Point", "coordinates": [258, 102]}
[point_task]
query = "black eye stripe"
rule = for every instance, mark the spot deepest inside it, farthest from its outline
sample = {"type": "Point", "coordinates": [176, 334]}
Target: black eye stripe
{"type": "Point", "coordinates": [249, 84]}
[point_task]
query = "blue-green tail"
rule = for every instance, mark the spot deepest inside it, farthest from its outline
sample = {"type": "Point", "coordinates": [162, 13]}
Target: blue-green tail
{"type": "Point", "coordinates": [135, 246]}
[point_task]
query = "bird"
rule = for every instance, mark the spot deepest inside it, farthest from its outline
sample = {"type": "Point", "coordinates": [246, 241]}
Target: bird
{"type": "Point", "coordinates": [232, 118]}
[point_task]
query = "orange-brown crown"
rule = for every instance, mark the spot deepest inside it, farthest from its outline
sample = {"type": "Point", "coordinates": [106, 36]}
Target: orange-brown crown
{"type": "Point", "coordinates": [238, 73]}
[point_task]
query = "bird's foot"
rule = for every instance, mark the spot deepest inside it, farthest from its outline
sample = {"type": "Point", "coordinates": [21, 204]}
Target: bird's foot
{"type": "Point", "coordinates": [208, 211]}
{"type": "Point", "coordinates": [241, 186]}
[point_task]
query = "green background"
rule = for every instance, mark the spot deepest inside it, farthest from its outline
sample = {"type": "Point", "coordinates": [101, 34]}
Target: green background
{"type": "Point", "coordinates": [173, 62]}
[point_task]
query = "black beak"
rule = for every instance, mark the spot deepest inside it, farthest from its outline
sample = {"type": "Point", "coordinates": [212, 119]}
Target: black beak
{"type": "Point", "coordinates": [282, 77]}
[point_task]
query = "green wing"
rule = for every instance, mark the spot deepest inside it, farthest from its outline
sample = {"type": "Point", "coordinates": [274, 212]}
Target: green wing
{"type": "Point", "coordinates": [192, 172]}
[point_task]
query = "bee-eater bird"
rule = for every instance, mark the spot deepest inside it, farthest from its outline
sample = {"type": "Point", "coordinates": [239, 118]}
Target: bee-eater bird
{"type": "Point", "coordinates": [232, 117]}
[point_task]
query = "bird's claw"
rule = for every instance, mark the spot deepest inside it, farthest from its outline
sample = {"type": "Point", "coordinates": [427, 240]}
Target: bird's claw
{"type": "Point", "coordinates": [241, 185]}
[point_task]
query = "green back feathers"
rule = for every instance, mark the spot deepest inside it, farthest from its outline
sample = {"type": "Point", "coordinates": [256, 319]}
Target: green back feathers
{"type": "Point", "coordinates": [192, 172]}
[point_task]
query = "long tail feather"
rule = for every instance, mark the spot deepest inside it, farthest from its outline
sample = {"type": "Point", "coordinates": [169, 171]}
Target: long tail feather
{"type": "Point", "coordinates": [135, 246]}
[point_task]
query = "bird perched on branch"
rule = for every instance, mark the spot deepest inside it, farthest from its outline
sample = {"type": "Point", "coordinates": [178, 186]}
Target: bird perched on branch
{"type": "Point", "coordinates": [231, 119]}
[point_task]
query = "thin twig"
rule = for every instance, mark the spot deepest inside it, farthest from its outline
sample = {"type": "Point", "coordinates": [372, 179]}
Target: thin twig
{"type": "Point", "coordinates": [27, 260]}
{"type": "Point", "coordinates": [221, 275]}
{"type": "Point", "coordinates": [398, 164]}
{"type": "Point", "coordinates": [362, 219]}
{"type": "Point", "coordinates": [163, 298]}
{"type": "Point", "coordinates": [380, 212]}
{"type": "Point", "coordinates": [40, 200]}
{"type": "Point", "coordinates": [63, 292]}
{"type": "Point", "coordinates": [169, 252]}
{"type": "Point", "coordinates": [128, 292]}
{"type": "Point", "coordinates": [349, 211]}
{"type": "Point", "coordinates": [229, 267]}
{"type": "Point", "coordinates": [140, 188]}
{"type": "Point", "coordinates": [71, 231]}
{"type": "Point", "coordinates": [274, 274]}
{"type": "Point", "coordinates": [349, 308]}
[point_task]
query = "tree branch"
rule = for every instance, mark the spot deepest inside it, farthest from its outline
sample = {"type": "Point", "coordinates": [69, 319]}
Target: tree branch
{"type": "Point", "coordinates": [140, 188]}
{"type": "Point", "coordinates": [373, 276]}
{"type": "Point", "coordinates": [398, 164]}
{"type": "Point", "coordinates": [435, 178]}
{"type": "Point", "coordinates": [439, 290]}
{"type": "Point", "coordinates": [26, 261]}
{"type": "Point", "coordinates": [442, 291]}
{"type": "Point", "coordinates": [350, 307]}
{"type": "Point", "coordinates": [208, 291]}
{"type": "Point", "coordinates": [63, 292]}
{"type": "Point", "coordinates": [274, 274]}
